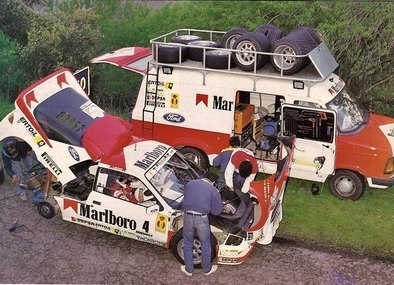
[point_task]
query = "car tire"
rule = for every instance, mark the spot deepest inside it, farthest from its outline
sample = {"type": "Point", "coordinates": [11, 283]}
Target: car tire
{"type": "Point", "coordinates": [170, 53]}
{"type": "Point", "coordinates": [185, 39]}
{"type": "Point", "coordinates": [231, 37]}
{"type": "Point", "coordinates": [272, 32]}
{"type": "Point", "coordinates": [247, 45]}
{"type": "Point", "coordinates": [46, 210]}
{"type": "Point", "coordinates": [196, 156]}
{"type": "Point", "coordinates": [347, 185]}
{"type": "Point", "coordinates": [219, 59]}
{"type": "Point", "coordinates": [299, 42]}
{"type": "Point", "coordinates": [177, 248]}
{"type": "Point", "coordinates": [197, 53]}
{"type": "Point", "coordinates": [1, 174]}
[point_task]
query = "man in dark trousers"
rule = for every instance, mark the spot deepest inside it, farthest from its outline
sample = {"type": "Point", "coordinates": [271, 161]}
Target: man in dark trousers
{"type": "Point", "coordinates": [201, 198]}
{"type": "Point", "coordinates": [18, 158]}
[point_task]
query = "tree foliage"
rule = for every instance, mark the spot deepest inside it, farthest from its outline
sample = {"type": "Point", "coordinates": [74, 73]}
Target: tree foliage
{"type": "Point", "coordinates": [60, 39]}
{"type": "Point", "coordinates": [70, 33]}
{"type": "Point", "coordinates": [12, 76]}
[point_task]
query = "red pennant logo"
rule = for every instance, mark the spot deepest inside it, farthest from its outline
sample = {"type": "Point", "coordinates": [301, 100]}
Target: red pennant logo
{"type": "Point", "coordinates": [70, 203]}
{"type": "Point", "coordinates": [61, 79]}
{"type": "Point", "coordinates": [30, 97]}
{"type": "Point", "coordinates": [202, 98]}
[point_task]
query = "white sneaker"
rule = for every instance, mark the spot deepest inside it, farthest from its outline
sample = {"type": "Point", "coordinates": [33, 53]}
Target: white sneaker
{"type": "Point", "coordinates": [183, 268]}
{"type": "Point", "coordinates": [23, 196]}
{"type": "Point", "coordinates": [213, 269]}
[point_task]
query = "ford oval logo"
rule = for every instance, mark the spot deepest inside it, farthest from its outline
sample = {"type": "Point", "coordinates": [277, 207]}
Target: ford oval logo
{"type": "Point", "coordinates": [73, 153]}
{"type": "Point", "coordinates": [174, 118]}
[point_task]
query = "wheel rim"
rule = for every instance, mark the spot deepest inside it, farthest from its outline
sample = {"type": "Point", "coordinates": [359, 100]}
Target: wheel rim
{"type": "Point", "coordinates": [247, 54]}
{"type": "Point", "coordinates": [288, 60]}
{"type": "Point", "coordinates": [231, 40]}
{"type": "Point", "coordinates": [197, 251]}
{"type": "Point", "coordinates": [345, 186]}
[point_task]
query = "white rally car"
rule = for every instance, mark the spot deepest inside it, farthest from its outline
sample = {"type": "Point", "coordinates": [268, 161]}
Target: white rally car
{"type": "Point", "coordinates": [110, 180]}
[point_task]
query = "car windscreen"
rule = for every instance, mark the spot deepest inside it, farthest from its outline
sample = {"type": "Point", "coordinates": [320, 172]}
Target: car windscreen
{"type": "Point", "coordinates": [171, 177]}
{"type": "Point", "coordinates": [65, 116]}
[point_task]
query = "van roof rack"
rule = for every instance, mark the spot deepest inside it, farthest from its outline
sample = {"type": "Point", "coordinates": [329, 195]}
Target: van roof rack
{"type": "Point", "coordinates": [322, 61]}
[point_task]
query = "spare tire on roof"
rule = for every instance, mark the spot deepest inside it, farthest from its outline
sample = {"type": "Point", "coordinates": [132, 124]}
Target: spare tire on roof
{"type": "Point", "coordinates": [248, 44]}
{"type": "Point", "coordinates": [300, 41]}
{"type": "Point", "coordinates": [170, 53]}
{"type": "Point", "coordinates": [231, 36]}
{"type": "Point", "coordinates": [196, 53]}
{"type": "Point", "coordinates": [272, 32]}
{"type": "Point", "coordinates": [219, 59]}
{"type": "Point", "coordinates": [185, 39]}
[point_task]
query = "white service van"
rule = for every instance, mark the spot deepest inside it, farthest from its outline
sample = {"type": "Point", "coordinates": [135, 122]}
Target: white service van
{"type": "Point", "coordinates": [197, 105]}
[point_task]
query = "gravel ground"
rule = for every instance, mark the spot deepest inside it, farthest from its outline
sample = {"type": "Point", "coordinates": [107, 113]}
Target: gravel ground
{"type": "Point", "coordinates": [58, 252]}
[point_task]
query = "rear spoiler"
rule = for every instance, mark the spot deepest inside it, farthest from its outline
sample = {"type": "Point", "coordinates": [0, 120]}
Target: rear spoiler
{"type": "Point", "coordinates": [131, 58]}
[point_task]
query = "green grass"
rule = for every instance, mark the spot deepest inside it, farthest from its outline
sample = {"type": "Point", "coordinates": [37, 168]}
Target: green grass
{"type": "Point", "coordinates": [365, 226]}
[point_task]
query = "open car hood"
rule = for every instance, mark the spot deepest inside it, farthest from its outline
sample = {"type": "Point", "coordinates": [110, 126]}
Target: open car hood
{"type": "Point", "coordinates": [131, 58]}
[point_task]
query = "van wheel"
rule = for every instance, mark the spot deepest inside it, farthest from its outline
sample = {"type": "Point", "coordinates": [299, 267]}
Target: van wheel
{"type": "Point", "coordinates": [346, 184]}
{"type": "Point", "coordinates": [170, 53]}
{"type": "Point", "coordinates": [177, 248]}
{"type": "Point", "coordinates": [46, 210]}
{"type": "Point", "coordinates": [218, 59]}
{"type": "Point", "coordinates": [248, 45]}
{"type": "Point", "coordinates": [196, 156]}
{"type": "Point", "coordinates": [231, 37]}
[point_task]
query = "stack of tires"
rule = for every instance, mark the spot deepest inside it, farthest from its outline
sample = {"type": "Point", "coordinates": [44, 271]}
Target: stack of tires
{"type": "Point", "coordinates": [265, 40]}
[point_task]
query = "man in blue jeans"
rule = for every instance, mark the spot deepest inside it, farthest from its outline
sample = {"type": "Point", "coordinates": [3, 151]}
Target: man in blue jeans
{"type": "Point", "coordinates": [201, 198]}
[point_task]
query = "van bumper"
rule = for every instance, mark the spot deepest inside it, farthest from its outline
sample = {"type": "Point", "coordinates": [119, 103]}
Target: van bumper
{"type": "Point", "coordinates": [381, 183]}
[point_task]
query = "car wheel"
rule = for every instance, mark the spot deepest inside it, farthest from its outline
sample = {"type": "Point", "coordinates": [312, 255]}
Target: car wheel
{"type": "Point", "coordinates": [197, 53]}
{"type": "Point", "coordinates": [219, 59]}
{"type": "Point", "coordinates": [46, 210]}
{"type": "Point", "coordinates": [231, 37]}
{"type": "Point", "coordinates": [272, 32]}
{"type": "Point", "coordinates": [185, 39]}
{"type": "Point", "coordinates": [299, 42]}
{"type": "Point", "coordinates": [346, 184]}
{"type": "Point", "coordinates": [248, 45]}
{"type": "Point", "coordinates": [177, 248]}
{"type": "Point", "coordinates": [170, 53]}
{"type": "Point", "coordinates": [196, 156]}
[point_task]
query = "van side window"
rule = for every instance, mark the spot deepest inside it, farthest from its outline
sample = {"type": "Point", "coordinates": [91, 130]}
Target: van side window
{"type": "Point", "coordinates": [306, 104]}
{"type": "Point", "coordinates": [309, 124]}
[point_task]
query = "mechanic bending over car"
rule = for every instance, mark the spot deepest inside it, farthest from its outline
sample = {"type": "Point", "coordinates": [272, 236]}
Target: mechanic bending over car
{"type": "Point", "coordinates": [21, 164]}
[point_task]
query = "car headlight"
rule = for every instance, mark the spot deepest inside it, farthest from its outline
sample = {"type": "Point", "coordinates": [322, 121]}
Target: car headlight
{"type": "Point", "coordinates": [389, 166]}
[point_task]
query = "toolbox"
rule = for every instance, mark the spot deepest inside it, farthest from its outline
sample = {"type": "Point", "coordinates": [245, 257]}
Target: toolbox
{"type": "Point", "coordinates": [243, 116]}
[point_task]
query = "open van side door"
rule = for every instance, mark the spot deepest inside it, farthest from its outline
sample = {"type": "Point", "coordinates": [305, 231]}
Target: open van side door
{"type": "Point", "coordinates": [314, 151]}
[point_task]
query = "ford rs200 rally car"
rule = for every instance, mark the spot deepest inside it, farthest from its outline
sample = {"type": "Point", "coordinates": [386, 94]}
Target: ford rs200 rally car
{"type": "Point", "coordinates": [110, 180]}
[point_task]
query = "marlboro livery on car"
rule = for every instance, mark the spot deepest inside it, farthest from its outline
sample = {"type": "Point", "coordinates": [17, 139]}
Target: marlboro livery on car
{"type": "Point", "coordinates": [108, 179]}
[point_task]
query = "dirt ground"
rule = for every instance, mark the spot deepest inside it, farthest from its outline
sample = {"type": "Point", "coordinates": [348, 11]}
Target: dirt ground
{"type": "Point", "coordinates": [53, 251]}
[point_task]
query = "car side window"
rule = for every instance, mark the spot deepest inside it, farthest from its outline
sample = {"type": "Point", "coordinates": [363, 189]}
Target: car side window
{"type": "Point", "coordinates": [123, 186]}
